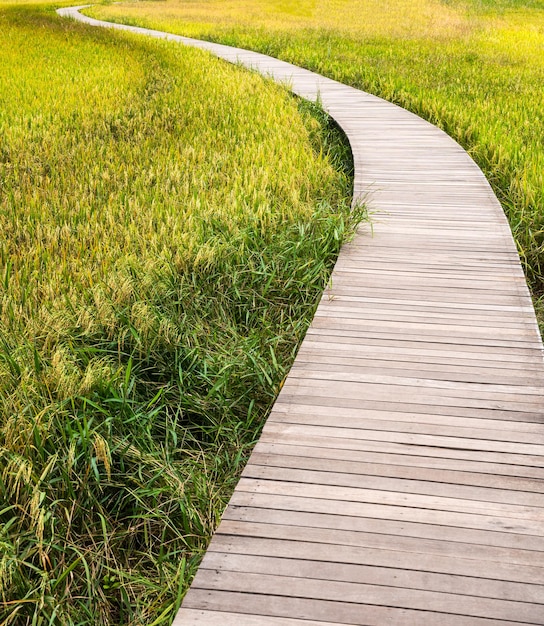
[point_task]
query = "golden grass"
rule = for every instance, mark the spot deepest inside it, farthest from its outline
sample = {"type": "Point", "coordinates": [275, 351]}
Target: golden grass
{"type": "Point", "coordinates": [168, 222]}
{"type": "Point", "coordinates": [475, 68]}
{"type": "Point", "coordinates": [387, 18]}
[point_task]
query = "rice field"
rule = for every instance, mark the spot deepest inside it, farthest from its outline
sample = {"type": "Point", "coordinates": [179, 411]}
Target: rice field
{"type": "Point", "coordinates": [473, 67]}
{"type": "Point", "coordinates": [162, 254]}
{"type": "Point", "coordinates": [168, 223]}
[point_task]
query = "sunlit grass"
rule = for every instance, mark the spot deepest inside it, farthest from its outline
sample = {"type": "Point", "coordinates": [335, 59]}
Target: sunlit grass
{"type": "Point", "coordinates": [475, 68]}
{"type": "Point", "coordinates": [168, 223]}
{"type": "Point", "coordinates": [389, 18]}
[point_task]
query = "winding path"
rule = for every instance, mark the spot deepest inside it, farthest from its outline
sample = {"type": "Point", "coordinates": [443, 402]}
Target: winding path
{"type": "Point", "coordinates": [399, 479]}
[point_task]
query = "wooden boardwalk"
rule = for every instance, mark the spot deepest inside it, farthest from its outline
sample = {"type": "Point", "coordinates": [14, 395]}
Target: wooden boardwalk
{"type": "Point", "coordinates": [399, 479]}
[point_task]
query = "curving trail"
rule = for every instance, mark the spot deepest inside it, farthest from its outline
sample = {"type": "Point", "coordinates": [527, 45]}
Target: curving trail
{"type": "Point", "coordinates": [399, 479]}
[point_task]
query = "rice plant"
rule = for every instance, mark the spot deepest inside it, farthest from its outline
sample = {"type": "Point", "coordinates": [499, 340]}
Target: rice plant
{"type": "Point", "coordinates": [168, 223]}
{"type": "Point", "coordinates": [473, 67]}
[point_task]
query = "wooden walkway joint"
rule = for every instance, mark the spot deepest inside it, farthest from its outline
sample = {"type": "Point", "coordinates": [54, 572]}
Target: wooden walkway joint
{"type": "Point", "coordinates": [398, 480]}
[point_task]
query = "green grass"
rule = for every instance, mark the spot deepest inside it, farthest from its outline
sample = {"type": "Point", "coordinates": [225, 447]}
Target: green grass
{"type": "Point", "coordinates": [474, 67]}
{"type": "Point", "coordinates": [168, 223]}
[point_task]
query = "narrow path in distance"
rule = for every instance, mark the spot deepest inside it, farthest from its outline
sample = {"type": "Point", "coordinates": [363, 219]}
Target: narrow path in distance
{"type": "Point", "coordinates": [399, 478]}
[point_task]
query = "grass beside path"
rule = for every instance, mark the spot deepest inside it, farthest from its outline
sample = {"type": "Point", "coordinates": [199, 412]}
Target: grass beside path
{"type": "Point", "coordinates": [168, 222]}
{"type": "Point", "coordinates": [473, 67]}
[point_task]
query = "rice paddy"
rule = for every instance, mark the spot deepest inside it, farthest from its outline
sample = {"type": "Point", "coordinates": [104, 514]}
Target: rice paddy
{"type": "Point", "coordinates": [168, 223]}
{"type": "Point", "coordinates": [473, 67]}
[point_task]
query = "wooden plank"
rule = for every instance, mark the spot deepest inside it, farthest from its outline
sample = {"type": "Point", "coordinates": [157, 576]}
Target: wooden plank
{"type": "Point", "coordinates": [409, 423]}
{"type": "Point", "coordinates": [343, 592]}
{"type": "Point", "coordinates": [364, 470]}
{"type": "Point", "coordinates": [381, 541]}
{"type": "Point", "coordinates": [390, 455]}
{"type": "Point", "coordinates": [522, 392]}
{"type": "Point", "coordinates": [326, 611]}
{"type": "Point", "coordinates": [470, 427]}
{"type": "Point", "coordinates": [375, 316]}
{"type": "Point", "coordinates": [385, 512]}
{"type": "Point", "coordinates": [460, 297]}
{"type": "Point", "coordinates": [463, 318]}
{"type": "Point", "coordinates": [452, 330]}
{"type": "Point", "coordinates": [422, 359]}
{"type": "Point", "coordinates": [397, 559]}
{"type": "Point", "coordinates": [342, 390]}
{"type": "Point", "coordinates": [524, 414]}
{"type": "Point", "coordinates": [355, 303]}
{"type": "Point", "coordinates": [321, 384]}
{"type": "Point", "coordinates": [517, 463]}
{"type": "Point", "coordinates": [356, 328]}
{"type": "Point", "coordinates": [429, 347]}
{"type": "Point", "coordinates": [446, 371]}
{"type": "Point", "coordinates": [429, 280]}
{"type": "Point", "coordinates": [387, 356]}
{"type": "Point", "coordinates": [311, 519]}
{"type": "Point", "coordinates": [332, 293]}
{"type": "Point", "coordinates": [339, 493]}
{"type": "Point", "coordinates": [362, 574]}
{"type": "Point", "coordinates": [223, 618]}
{"type": "Point", "coordinates": [491, 421]}
{"type": "Point", "coordinates": [425, 343]}
{"type": "Point", "coordinates": [398, 484]}
{"type": "Point", "coordinates": [487, 291]}
{"type": "Point", "coordinates": [500, 451]}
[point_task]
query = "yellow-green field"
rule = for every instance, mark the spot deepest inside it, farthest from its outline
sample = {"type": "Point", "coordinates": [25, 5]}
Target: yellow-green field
{"type": "Point", "coordinates": [360, 18]}
{"type": "Point", "coordinates": [168, 223]}
{"type": "Point", "coordinates": [475, 68]}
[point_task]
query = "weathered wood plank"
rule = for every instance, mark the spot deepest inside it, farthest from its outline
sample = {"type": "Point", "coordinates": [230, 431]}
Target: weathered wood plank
{"type": "Point", "coordinates": [209, 618]}
{"type": "Point", "coordinates": [428, 354]}
{"type": "Point", "coordinates": [436, 371]}
{"type": "Point", "coordinates": [453, 549]}
{"type": "Point", "coordinates": [452, 447]}
{"type": "Point", "coordinates": [361, 328]}
{"type": "Point", "coordinates": [410, 424]}
{"type": "Point", "coordinates": [404, 395]}
{"type": "Point", "coordinates": [310, 519]}
{"type": "Point", "coordinates": [525, 413]}
{"type": "Point", "coordinates": [506, 487]}
{"type": "Point", "coordinates": [478, 389]}
{"type": "Point", "coordinates": [399, 484]}
{"type": "Point", "coordinates": [350, 509]}
{"type": "Point", "coordinates": [448, 504]}
{"type": "Point", "coordinates": [358, 614]}
{"type": "Point", "coordinates": [344, 592]}
{"type": "Point", "coordinates": [384, 443]}
{"type": "Point", "coordinates": [390, 557]}
{"type": "Point", "coordinates": [384, 454]}
{"type": "Point", "coordinates": [428, 581]}
{"type": "Point", "coordinates": [495, 428]}
{"type": "Point", "coordinates": [424, 343]}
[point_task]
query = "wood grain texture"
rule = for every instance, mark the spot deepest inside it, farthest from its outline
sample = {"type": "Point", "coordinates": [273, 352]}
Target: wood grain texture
{"type": "Point", "coordinates": [399, 479]}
